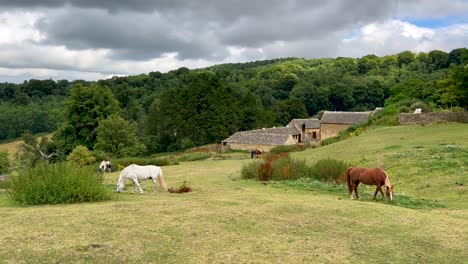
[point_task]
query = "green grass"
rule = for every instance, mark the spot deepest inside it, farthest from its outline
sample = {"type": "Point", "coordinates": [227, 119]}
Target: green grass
{"type": "Point", "coordinates": [427, 162]}
{"type": "Point", "coordinates": [230, 220]}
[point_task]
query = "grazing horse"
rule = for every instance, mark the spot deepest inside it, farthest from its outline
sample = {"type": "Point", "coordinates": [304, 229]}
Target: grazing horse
{"type": "Point", "coordinates": [255, 152]}
{"type": "Point", "coordinates": [373, 176]}
{"type": "Point", "coordinates": [105, 166]}
{"type": "Point", "coordinates": [136, 173]}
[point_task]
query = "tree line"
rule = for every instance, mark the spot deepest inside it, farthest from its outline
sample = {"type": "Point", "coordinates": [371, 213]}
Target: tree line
{"type": "Point", "coordinates": [183, 108]}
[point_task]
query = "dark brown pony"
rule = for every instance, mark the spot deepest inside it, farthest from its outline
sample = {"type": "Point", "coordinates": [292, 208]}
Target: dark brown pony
{"type": "Point", "coordinates": [255, 152]}
{"type": "Point", "coordinates": [373, 176]}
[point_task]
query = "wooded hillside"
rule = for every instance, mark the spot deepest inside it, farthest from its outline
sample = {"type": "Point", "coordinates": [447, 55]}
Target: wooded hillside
{"type": "Point", "coordinates": [184, 108]}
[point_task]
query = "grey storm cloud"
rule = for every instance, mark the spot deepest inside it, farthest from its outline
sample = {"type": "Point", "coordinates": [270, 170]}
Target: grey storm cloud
{"type": "Point", "coordinates": [124, 36]}
{"type": "Point", "coordinates": [138, 30]}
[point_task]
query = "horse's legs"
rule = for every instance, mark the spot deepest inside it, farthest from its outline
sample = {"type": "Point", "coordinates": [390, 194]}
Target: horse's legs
{"type": "Point", "coordinates": [135, 182]}
{"type": "Point", "coordinates": [377, 190]}
{"type": "Point", "coordinates": [351, 191]}
{"type": "Point", "coordinates": [355, 190]}
{"type": "Point", "coordinates": [381, 192]}
{"type": "Point", "coordinates": [154, 184]}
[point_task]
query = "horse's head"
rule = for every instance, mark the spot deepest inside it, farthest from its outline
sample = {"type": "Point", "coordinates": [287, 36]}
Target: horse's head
{"type": "Point", "coordinates": [120, 187]}
{"type": "Point", "coordinates": [389, 192]}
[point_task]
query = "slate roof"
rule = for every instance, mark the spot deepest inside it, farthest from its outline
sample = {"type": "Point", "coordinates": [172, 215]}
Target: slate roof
{"type": "Point", "coordinates": [309, 123]}
{"type": "Point", "coordinates": [267, 136]}
{"type": "Point", "coordinates": [347, 118]}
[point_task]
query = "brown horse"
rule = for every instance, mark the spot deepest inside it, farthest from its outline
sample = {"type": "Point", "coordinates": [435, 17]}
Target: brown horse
{"type": "Point", "coordinates": [373, 176]}
{"type": "Point", "coordinates": [255, 152]}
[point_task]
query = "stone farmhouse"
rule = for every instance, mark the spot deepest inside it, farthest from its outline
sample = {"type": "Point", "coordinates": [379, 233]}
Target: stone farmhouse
{"type": "Point", "coordinates": [332, 123]}
{"type": "Point", "coordinates": [298, 131]}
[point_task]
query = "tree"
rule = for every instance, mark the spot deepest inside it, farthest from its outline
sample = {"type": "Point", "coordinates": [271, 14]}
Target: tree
{"type": "Point", "coordinates": [454, 89]}
{"type": "Point", "coordinates": [117, 138]}
{"type": "Point", "coordinates": [405, 58]}
{"type": "Point", "coordinates": [288, 109]}
{"type": "Point", "coordinates": [85, 107]}
{"type": "Point", "coordinates": [439, 59]}
{"type": "Point", "coordinates": [81, 156]}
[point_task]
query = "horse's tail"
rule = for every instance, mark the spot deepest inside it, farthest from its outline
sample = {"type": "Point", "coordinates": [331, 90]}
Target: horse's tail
{"type": "Point", "coordinates": [387, 179]}
{"type": "Point", "coordinates": [162, 182]}
{"type": "Point", "coordinates": [251, 154]}
{"type": "Point", "coordinates": [348, 177]}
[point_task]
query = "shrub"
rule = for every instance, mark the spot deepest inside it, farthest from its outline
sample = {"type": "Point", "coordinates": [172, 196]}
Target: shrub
{"type": "Point", "coordinates": [329, 170]}
{"type": "Point", "coordinates": [276, 167]}
{"type": "Point", "coordinates": [404, 109]}
{"type": "Point", "coordinates": [57, 183]}
{"type": "Point", "coordinates": [424, 107]}
{"type": "Point", "coordinates": [4, 162]}
{"type": "Point", "coordinates": [250, 171]}
{"type": "Point", "coordinates": [81, 156]}
{"type": "Point", "coordinates": [287, 168]}
{"type": "Point", "coordinates": [265, 171]}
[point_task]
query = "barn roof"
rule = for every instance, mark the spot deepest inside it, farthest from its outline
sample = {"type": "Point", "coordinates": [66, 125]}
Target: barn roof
{"type": "Point", "coordinates": [268, 136]}
{"type": "Point", "coordinates": [276, 130]}
{"type": "Point", "coordinates": [348, 118]}
{"type": "Point", "coordinates": [309, 123]}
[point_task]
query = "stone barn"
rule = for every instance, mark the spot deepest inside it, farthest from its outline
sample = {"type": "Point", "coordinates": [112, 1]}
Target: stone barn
{"type": "Point", "coordinates": [332, 123]}
{"type": "Point", "coordinates": [308, 129]}
{"type": "Point", "coordinates": [263, 139]}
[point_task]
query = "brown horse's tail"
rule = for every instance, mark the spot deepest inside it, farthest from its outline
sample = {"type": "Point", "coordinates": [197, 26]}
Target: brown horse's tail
{"type": "Point", "coordinates": [348, 177]}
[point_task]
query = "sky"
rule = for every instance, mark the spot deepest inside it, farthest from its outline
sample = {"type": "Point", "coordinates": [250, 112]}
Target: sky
{"type": "Point", "coordinates": [98, 39]}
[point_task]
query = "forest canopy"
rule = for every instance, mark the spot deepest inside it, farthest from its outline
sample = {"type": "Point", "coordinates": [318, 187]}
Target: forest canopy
{"type": "Point", "coordinates": [185, 108]}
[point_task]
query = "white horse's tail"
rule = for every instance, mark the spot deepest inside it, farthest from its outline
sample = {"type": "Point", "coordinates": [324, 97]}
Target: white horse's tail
{"type": "Point", "coordinates": [162, 182]}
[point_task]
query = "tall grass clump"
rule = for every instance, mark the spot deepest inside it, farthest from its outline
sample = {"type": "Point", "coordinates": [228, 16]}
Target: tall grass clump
{"type": "Point", "coordinates": [56, 184]}
{"type": "Point", "coordinates": [330, 170]}
{"type": "Point", "coordinates": [250, 171]}
{"type": "Point", "coordinates": [277, 168]}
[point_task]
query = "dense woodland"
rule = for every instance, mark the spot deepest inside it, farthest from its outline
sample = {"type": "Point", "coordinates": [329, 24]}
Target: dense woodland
{"type": "Point", "coordinates": [160, 112]}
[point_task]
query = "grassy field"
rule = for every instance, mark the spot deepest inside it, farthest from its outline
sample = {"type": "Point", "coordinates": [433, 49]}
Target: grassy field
{"type": "Point", "coordinates": [229, 220]}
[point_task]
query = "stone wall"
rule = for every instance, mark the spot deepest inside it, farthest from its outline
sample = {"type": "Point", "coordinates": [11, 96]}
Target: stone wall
{"type": "Point", "coordinates": [426, 118]}
{"type": "Point", "coordinates": [331, 130]}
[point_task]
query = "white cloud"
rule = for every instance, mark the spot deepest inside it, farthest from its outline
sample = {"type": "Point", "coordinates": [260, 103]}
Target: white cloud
{"type": "Point", "coordinates": [18, 27]}
{"type": "Point", "coordinates": [394, 36]}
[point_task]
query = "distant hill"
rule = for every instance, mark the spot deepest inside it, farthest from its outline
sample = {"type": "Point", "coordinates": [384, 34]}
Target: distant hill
{"type": "Point", "coordinates": [185, 108]}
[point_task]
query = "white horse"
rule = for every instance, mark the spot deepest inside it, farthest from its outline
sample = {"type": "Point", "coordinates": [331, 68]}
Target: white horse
{"type": "Point", "coordinates": [105, 166]}
{"type": "Point", "coordinates": [135, 173]}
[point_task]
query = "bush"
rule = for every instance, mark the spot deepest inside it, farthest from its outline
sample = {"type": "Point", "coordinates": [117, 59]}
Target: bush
{"type": "Point", "coordinates": [287, 168]}
{"type": "Point", "coordinates": [4, 162]}
{"type": "Point", "coordinates": [81, 156]}
{"type": "Point", "coordinates": [250, 171]}
{"type": "Point", "coordinates": [282, 167]}
{"type": "Point", "coordinates": [404, 109]}
{"type": "Point", "coordinates": [276, 167]}
{"type": "Point", "coordinates": [330, 170]}
{"type": "Point", "coordinates": [57, 183]}
{"type": "Point", "coordinates": [424, 107]}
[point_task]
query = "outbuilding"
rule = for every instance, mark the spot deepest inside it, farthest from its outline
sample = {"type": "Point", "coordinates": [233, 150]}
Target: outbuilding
{"type": "Point", "coordinates": [332, 123]}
